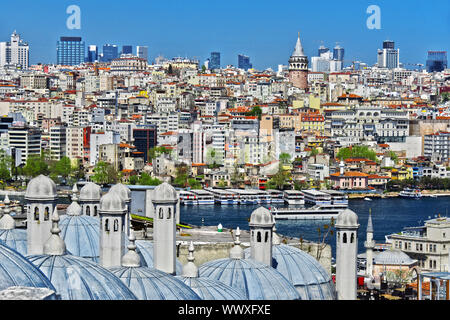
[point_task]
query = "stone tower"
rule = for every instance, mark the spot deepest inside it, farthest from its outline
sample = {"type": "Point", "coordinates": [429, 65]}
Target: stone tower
{"type": "Point", "coordinates": [346, 254]}
{"type": "Point", "coordinates": [261, 229]}
{"type": "Point", "coordinates": [41, 200]}
{"type": "Point", "coordinates": [113, 212]}
{"type": "Point", "coordinates": [90, 195]}
{"type": "Point", "coordinates": [369, 244]}
{"type": "Point", "coordinates": [164, 203]}
{"type": "Point", "coordinates": [125, 193]}
{"type": "Point", "coordinates": [298, 67]}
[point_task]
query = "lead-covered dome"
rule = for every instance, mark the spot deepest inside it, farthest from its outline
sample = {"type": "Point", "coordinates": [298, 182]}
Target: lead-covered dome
{"type": "Point", "coordinates": [76, 278]}
{"type": "Point", "coordinates": [261, 217]}
{"type": "Point", "coordinates": [111, 202]}
{"type": "Point", "coordinates": [210, 289]}
{"type": "Point", "coordinates": [393, 257]}
{"type": "Point", "coordinates": [16, 270]}
{"type": "Point", "coordinates": [307, 275]}
{"type": "Point", "coordinates": [145, 251]}
{"type": "Point", "coordinates": [122, 190]}
{"type": "Point", "coordinates": [347, 218]}
{"type": "Point", "coordinates": [165, 192]}
{"type": "Point", "coordinates": [15, 239]}
{"type": "Point", "coordinates": [152, 284]}
{"type": "Point", "coordinates": [41, 188]}
{"type": "Point", "coordinates": [90, 192]}
{"type": "Point", "coordinates": [257, 281]}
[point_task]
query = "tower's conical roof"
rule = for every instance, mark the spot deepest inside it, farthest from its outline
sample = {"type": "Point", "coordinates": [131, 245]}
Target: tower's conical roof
{"type": "Point", "coordinates": [298, 51]}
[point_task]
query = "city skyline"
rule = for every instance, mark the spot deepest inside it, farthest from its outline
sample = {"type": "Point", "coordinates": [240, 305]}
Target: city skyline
{"type": "Point", "coordinates": [185, 32]}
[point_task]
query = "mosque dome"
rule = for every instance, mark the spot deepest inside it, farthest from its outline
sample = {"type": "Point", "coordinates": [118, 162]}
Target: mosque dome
{"type": "Point", "coordinates": [209, 289]}
{"type": "Point", "coordinates": [257, 281]}
{"type": "Point", "coordinates": [145, 251]}
{"type": "Point", "coordinates": [15, 239]}
{"type": "Point", "coordinates": [310, 279]}
{"type": "Point", "coordinates": [112, 202]}
{"type": "Point", "coordinates": [165, 192]}
{"type": "Point", "coordinates": [152, 284]}
{"type": "Point", "coordinates": [261, 217]}
{"type": "Point", "coordinates": [123, 191]}
{"type": "Point", "coordinates": [90, 192]}
{"type": "Point", "coordinates": [347, 218]}
{"type": "Point", "coordinates": [16, 270]}
{"type": "Point", "coordinates": [393, 257]}
{"type": "Point", "coordinates": [41, 188]}
{"type": "Point", "coordinates": [76, 278]}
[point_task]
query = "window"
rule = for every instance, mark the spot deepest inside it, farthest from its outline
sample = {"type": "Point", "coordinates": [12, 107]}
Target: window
{"type": "Point", "coordinates": [95, 211]}
{"type": "Point", "coordinates": [344, 238]}
{"type": "Point", "coordinates": [160, 213]}
{"type": "Point", "coordinates": [352, 238]}
{"type": "Point", "coordinates": [169, 213]}
{"type": "Point", "coordinates": [88, 211]}
{"type": "Point", "coordinates": [116, 225]}
{"type": "Point", "coordinates": [107, 225]}
{"type": "Point", "coordinates": [258, 237]}
{"type": "Point", "coordinates": [36, 214]}
{"type": "Point", "coordinates": [267, 237]}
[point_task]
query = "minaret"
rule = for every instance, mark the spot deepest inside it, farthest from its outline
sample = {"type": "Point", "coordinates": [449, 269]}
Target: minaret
{"type": "Point", "coordinates": [125, 193]}
{"type": "Point", "coordinates": [164, 203]}
{"type": "Point", "coordinates": [237, 252]}
{"type": "Point", "coordinates": [298, 67]}
{"type": "Point", "coordinates": [190, 270]}
{"type": "Point", "coordinates": [113, 212]}
{"type": "Point", "coordinates": [369, 244]}
{"type": "Point", "coordinates": [346, 254]}
{"type": "Point", "coordinates": [90, 195]}
{"type": "Point", "coordinates": [261, 227]}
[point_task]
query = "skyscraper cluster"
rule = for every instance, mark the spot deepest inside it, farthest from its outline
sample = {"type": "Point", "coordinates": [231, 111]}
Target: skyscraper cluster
{"type": "Point", "coordinates": [328, 61]}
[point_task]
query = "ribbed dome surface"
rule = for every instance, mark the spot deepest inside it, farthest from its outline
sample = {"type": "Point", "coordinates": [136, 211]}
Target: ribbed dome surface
{"type": "Point", "coordinates": [209, 289]}
{"type": "Point", "coordinates": [151, 284]}
{"type": "Point", "coordinates": [76, 278]}
{"type": "Point", "coordinates": [16, 270]}
{"type": "Point", "coordinates": [145, 251]}
{"type": "Point", "coordinates": [90, 192]}
{"type": "Point", "coordinates": [310, 279]}
{"type": "Point", "coordinates": [15, 239]}
{"type": "Point", "coordinates": [41, 188]}
{"type": "Point", "coordinates": [256, 280]}
{"type": "Point", "coordinates": [393, 257]}
{"type": "Point", "coordinates": [81, 235]}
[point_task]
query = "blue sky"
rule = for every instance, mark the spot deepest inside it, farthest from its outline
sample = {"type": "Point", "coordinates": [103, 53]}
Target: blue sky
{"type": "Point", "coordinates": [265, 30]}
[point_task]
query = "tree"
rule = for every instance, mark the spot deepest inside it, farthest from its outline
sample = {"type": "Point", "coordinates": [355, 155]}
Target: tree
{"type": "Point", "coordinates": [62, 168]}
{"type": "Point", "coordinates": [35, 166]}
{"type": "Point", "coordinates": [5, 167]}
{"type": "Point", "coordinates": [285, 158]}
{"type": "Point", "coordinates": [314, 152]}
{"type": "Point", "coordinates": [104, 173]}
{"type": "Point", "coordinates": [357, 152]}
{"type": "Point", "coordinates": [170, 70]}
{"type": "Point", "coordinates": [327, 230]}
{"type": "Point", "coordinates": [203, 68]}
{"type": "Point", "coordinates": [156, 152]}
{"type": "Point", "coordinates": [181, 176]}
{"type": "Point", "coordinates": [255, 112]}
{"type": "Point", "coordinates": [133, 180]}
{"type": "Point", "coordinates": [445, 96]}
{"type": "Point", "coordinates": [278, 180]}
{"type": "Point", "coordinates": [194, 184]}
{"type": "Point", "coordinates": [146, 180]}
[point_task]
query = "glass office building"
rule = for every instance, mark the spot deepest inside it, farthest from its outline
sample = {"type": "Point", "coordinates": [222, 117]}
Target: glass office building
{"type": "Point", "coordinates": [127, 49]}
{"type": "Point", "coordinates": [144, 139]}
{"type": "Point", "coordinates": [70, 51]}
{"type": "Point", "coordinates": [110, 52]}
{"type": "Point", "coordinates": [338, 53]}
{"type": "Point", "coordinates": [214, 60]}
{"type": "Point", "coordinates": [92, 54]}
{"type": "Point", "coordinates": [437, 61]}
{"type": "Point", "coordinates": [244, 62]}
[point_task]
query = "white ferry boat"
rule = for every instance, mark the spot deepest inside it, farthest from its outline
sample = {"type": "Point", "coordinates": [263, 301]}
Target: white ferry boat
{"type": "Point", "coordinates": [245, 196]}
{"type": "Point", "coordinates": [317, 212]}
{"type": "Point", "coordinates": [294, 197]}
{"type": "Point", "coordinates": [224, 196]}
{"type": "Point", "coordinates": [337, 197]}
{"type": "Point", "coordinates": [263, 197]}
{"type": "Point", "coordinates": [316, 197]}
{"type": "Point", "coordinates": [276, 196]}
{"type": "Point", "coordinates": [188, 198]}
{"type": "Point", "coordinates": [410, 193]}
{"type": "Point", "coordinates": [204, 197]}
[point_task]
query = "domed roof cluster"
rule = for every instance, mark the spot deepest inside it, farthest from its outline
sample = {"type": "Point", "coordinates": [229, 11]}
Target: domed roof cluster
{"type": "Point", "coordinates": [41, 188]}
{"type": "Point", "coordinates": [90, 192]}
{"type": "Point", "coordinates": [145, 251]}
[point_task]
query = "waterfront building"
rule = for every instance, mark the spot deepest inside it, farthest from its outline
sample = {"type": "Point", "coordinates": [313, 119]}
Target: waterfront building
{"type": "Point", "coordinates": [437, 146]}
{"type": "Point", "coordinates": [298, 67]}
{"type": "Point", "coordinates": [70, 51]}
{"type": "Point", "coordinates": [15, 52]}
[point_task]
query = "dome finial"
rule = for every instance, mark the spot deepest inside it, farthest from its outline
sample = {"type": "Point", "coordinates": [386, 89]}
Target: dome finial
{"type": "Point", "coordinates": [74, 193]}
{"type": "Point", "coordinates": [190, 270]}
{"type": "Point", "coordinates": [131, 258]}
{"type": "Point", "coordinates": [74, 209]}
{"type": "Point", "coordinates": [7, 222]}
{"type": "Point", "coordinates": [55, 246]}
{"type": "Point", "coordinates": [6, 201]}
{"type": "Point", "coordinates": [237, 252]}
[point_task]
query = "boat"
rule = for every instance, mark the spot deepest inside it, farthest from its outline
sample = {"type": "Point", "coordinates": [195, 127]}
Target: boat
{"type": "Point", "coordinates": [204, 197]}
{"type": "Point", "coordinates": [317, 212]}
{"type": "Point", "coordinates": [367, 199]}
{"type": "Point", "coordinates": [316, 197]}
{"type": "Point", "coordinates": [188, 198]}
{"type": "Point", "coordinates": [294, 197]}
{"type": "Point", "coordinates": [410, 193]}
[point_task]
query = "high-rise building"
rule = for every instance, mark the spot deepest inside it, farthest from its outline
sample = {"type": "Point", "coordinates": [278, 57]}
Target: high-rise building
{"type": "Point", "coordinates": [338, 53]}
{"type": "Point", "coordinates": [298, 67]}
{"type": "Point", "coordinates": [437, 61]}
{"type": "Point", "coordinates": [214, 61]}
{"type": "Point", "coordinates": [25, 139]}
{"type": "Point", "coordinates": [92, 54]}
{"type": "Point", "coordinates": [127, 49]}
{"type": "Point", "coordinates": [145, 138]}
{"type": "Point", "coordinates": [70, 51]}
{"type": "Point", "coordinates": [323, 49]}
{"type": "Point", "coordinates": [110, 52]}
{"type": "Point", "coordinates": [16, 52]}
{"type": "Point", "coordinates": [142, 52]}
{"type": "Point", "coordinates": [388, 57]}
{"type": "Point", "coordinates": [244, 62]}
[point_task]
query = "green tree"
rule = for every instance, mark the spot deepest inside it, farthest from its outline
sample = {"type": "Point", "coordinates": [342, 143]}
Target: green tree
{"type": "Point", "coordinates": [194, 184]}
{"type": "Point", "coordinates": [170, 70]}
{"type": "Point", "coordinates": [157, 151]}
{"type": "Point", "coordinates": [314, 152]}
{"type": "Point", "coordinates": [62, 168]}
{"type": "Point", "coordinates": [134, 179]}
{"type": "Point", "coordinates": [255, 112]}
{"type": "Point", "coordinates": [279, 179]}
{"type": "Point", "coordinates": [35, 166]}
{"type": "Point", "coordinates": [5, 167]}
{"type": "Point", "coordinates": [104, 173]}
{"type": "Point", "coordinates": [357, 152]}
{"type": "Point", "coordinates": [285, 158]}
{"type": "Point", "coordinates": [445, 96]}
{"type": "Point", "coordinates": [146, 180]}
{"type": "Point", "coordinates": [181, 176]}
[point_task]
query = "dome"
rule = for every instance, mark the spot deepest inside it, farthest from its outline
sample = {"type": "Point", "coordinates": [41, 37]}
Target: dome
{"type": "Point", "coordinates": [76, 278]}
{"type": "Point", "coordinates": [41, 188]}
{"type": "Point", "coordinates": [393, 257]}
{"type": "Point", "coordinates": [261, 217]}
{"type": "Point", "coordinates": [123, 191]}
{"type": "Point", "coordinates": [307, 275]}
{"type": "Point", "coordinates": [257, 281]}
{"type": "Point", "coordinates": [165, 192]}
{"type": "Point", "coordinates": [151, 284]}
{"type": "Point", "coordinates": [90, 192]}
{"type": "Point", "coordinates": [15, 239]}
{"type": "Point", "coordinates": [81, 235]}
{"type": "Point", "coordinates": [112, 203]}
{"type": "Point", "coordinates": [209, 289]}
{"type": "Point", "coordinates": [347, 218]}
{"type": "Point", "coordinates": [145, 251]}
{"type": "Point", "coordinates": [74, 209]}
{"type": "Point", "coordinates": [16, 270]}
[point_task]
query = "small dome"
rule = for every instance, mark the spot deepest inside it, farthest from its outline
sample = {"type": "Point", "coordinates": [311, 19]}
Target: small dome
{"type": "Point", "coordinates": [90, 192]}
{"type": "Point", "coordinates": [347, 218]}
{"type": "Point", "coordinates": [112, 203]}
{"type": "Point", "coordinates": [393, 257]}
{"type": "Point", "coordinates": [74, 209]}
{"type": "Point", "coordinates": [261, 217]}
{"type": "Point", "coordinates": [7, 222]}
{"type": "Point", "coordinates": [307, 275]}
{"type": "Point", "coordinates": [41, 188]}
{"type": "Point", "coordinates": [165, 192]}
{"type": "Point", "coordinates": [145, 251]}
{"type": "Point", "coordinates": [15, 239]}
{"type": "Point", "coordinates": [122, 190]}
{"type": "Point", "coordinates": [257, 281]}
{"type": "Point", "coordinates": [151, 284]}
{"type": "Point", "coordinates": [16, 270]}
{"type": "Point", "coordinates": [209, 289]}
{"type": "Point", "coordinates": [76, 278]}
